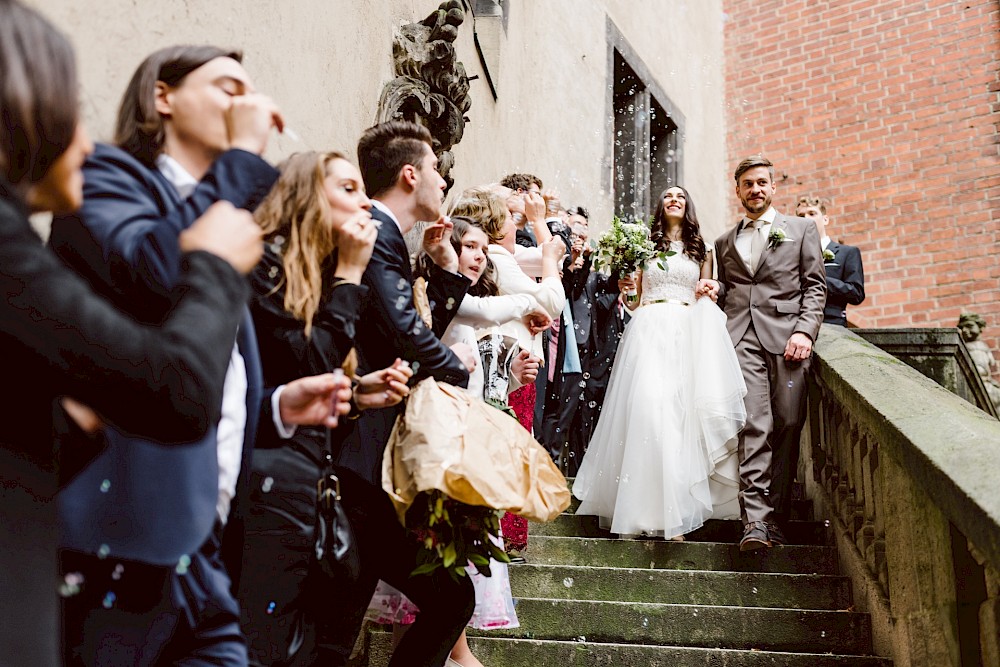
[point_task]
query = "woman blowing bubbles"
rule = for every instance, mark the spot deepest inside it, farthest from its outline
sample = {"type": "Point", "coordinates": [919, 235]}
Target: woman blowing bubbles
{"type": "Point", "coordinates": [662, 459]}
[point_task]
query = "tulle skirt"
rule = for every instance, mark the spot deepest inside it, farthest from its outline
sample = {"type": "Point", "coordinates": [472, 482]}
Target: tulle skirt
{"type": "Point", "coordinates": [663, 457]}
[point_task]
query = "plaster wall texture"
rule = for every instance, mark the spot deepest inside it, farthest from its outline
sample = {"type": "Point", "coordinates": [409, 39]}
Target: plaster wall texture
{"type": "Point", "coordinates": [325, 63]}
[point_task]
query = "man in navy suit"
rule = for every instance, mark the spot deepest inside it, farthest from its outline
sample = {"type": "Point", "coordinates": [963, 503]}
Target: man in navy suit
{"type": "Point", "coordinates": [142, 525]}
{"type": "Point", "coordinates": [400, 173]}
{"type": "Point", "coordinates": [845, 276]}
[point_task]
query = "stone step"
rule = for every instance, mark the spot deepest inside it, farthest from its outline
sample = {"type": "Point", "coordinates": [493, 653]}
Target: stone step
{"type": "Point", "coordinates": [817, 533]}
{"type": "Point", "coordinates": [502, 652]}
{"type": "Point", "coordinates": [791, 630]}
{"type": "Point", "coordinates": [660, 554]}
{"type": "Point", "coordinates": [696, 587]}
{"type": "Point", "coordinates": [802, 508]}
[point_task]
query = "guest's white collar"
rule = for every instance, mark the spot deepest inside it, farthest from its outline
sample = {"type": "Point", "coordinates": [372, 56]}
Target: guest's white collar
{"type": "Point", "coordinates": [385, 209]}
{"type": "Point", "coordinates": [825, 241]}
{"type": "Point", "coordinates": [178, 176]}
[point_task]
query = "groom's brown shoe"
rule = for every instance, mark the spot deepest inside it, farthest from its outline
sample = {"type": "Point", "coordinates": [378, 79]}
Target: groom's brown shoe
{"type": "Point", "coordinates": [755, 537]}
{"type": "Point", "coordinates": [777, 537]}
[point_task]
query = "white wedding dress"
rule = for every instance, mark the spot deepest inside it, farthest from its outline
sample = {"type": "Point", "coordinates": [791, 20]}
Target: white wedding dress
{"type": "Point", "coordinates": [663, 456]}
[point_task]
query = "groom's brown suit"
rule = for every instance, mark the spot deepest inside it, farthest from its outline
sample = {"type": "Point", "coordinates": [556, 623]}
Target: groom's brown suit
{"type": "Point", "coordinates": [765, 307]}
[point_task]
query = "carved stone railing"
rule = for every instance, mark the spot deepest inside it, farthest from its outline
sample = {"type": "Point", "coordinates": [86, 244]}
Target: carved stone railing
{"type": "Point", "coordinates": [908, 474]}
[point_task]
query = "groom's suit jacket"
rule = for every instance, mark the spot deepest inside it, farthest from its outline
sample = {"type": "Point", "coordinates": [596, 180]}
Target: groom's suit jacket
{"type": "Point", "coordinates": [140, 499]}
{"type": "Point", "coordinates": [787, 292]}
{"type": "Point", "coordinates": [845, 282]}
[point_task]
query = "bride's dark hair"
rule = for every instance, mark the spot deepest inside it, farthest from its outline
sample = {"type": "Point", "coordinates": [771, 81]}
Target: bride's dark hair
{"type": "Point", "coordinates": [694, 244]}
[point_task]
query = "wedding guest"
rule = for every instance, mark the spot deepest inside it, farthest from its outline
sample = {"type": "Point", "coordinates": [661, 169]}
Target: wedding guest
{"type": "Point", "coordinates": [144, 523]}
{"type": "Point", "coordinates": [319, 236]}
{"type": "Point", "coordinates": [845, 275]}
{"type": "Point", "coordinates": [573, 404]}
{"type": "Point", "coordinates": [490, 212]}
{"type": "Point", "coordinates": [61, 340]}
{"type": "Point", "coordinates": [772, 288]}
{"type": "Point", "coordinates": [400, 174]}
{"type": "Point", "coordinates": [502, 363]}
{"type": "Point", "coordinates": [527, 207]}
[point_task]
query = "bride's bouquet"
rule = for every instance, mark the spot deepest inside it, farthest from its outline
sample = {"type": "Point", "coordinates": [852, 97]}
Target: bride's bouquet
{"type": "Point", "coordinates": [624, 248]}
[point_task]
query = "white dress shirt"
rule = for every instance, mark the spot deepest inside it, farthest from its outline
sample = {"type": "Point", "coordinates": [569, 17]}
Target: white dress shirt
{"type": "Point", "coordinates": [512, 280]}
{"type": "Point", "coordinates": [232, 424]}
{"type": "Point", "coordinates": [744, 237]}
{"type": "Point", "coordinates": [824, 242]}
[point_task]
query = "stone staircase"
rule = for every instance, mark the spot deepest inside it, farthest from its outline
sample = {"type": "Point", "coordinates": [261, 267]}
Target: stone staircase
{"type": "Point", "coordinates": [586, 599]}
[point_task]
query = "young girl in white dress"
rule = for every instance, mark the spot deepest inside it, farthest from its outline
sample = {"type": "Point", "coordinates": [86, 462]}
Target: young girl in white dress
{"type": "Point", "coordinates": [663, 457]}
{"type": "Point", "coordinates": [502, 363]}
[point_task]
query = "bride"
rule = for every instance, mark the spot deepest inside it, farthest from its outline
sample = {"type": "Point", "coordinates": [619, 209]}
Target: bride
{"type": "Point", "coordinates": [663, 457]}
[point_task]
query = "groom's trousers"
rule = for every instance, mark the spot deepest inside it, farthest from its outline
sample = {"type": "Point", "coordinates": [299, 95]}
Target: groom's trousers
{"type": "Point", "coordinates": [769, 444]}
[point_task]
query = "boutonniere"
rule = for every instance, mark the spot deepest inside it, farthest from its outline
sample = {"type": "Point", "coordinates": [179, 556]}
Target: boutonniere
{"type": "Point", "coordinates": [776, 238]}
{"type": "Point", "coordinates": [828, 256]}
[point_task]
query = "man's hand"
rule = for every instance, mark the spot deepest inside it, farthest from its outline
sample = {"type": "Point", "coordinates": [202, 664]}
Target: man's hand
{"type": "Point", "coordinates": [534, 207]}
{"type": "Point", "coordinates": [466, 355]}
{"type": "Point", "coordinates": [383, 388]}
{"type": "Point", "coordinates": [537, 321]}
{"type": "Point", "coordinates": [437, 244]}
{"type": "Point", "coordinates": [249, 120]}
{"type": "Point", "coordinates": [799, 347]}
{"type": "Point", "coordinates": [552, 203]}
{"type": "Point", "coordinates": [85, 418]}
{"type": "Point", "coordinates": [228, 232]}
{"type": "Point", "coordinates": [317, 400]}
{"type": "Point", "coordinates": [707, 287]}
{"type": "Point", "coordinates": [576, 249]}
{"type": "Point", "coordinates": [524, 367]}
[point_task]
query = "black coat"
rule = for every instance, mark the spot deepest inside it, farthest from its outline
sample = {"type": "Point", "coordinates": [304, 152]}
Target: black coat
{"type": "Point", "coordinates": [59, 339]}
{"type": "Point", "coordinates": [845, 282]}
{"type": "Point", "coordinates": [391, 328]}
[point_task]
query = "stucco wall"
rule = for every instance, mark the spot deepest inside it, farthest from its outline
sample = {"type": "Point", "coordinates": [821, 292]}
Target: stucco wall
{"type": "Point", "coordinates": [325, 63]}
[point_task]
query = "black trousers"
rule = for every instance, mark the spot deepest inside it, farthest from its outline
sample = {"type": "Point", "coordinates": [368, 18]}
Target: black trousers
{"type": "Point", "coordinates": [136, 614]}
{"type": "Point", "coordinates": [293, 614]}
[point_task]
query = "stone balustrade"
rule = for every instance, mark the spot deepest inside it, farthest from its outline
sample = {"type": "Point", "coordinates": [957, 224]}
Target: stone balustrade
{"type": "Point", "coordinates": [908, 474]}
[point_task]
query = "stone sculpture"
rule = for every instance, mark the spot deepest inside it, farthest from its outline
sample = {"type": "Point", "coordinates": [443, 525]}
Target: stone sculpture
{"type": "Point", "coordinates": [430, 87]}
{"type": "Point", "coordinates": [971, 325]}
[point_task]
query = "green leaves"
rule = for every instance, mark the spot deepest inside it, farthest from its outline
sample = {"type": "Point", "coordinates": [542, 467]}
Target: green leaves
{"type": "Point", "coordinates": [624, 247]}
{"type": "Point", "coordinates": [451, 535]}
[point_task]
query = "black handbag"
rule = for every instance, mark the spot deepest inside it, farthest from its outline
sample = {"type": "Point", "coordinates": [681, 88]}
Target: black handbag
{"type": "Point", "coordinates": [335, 548]}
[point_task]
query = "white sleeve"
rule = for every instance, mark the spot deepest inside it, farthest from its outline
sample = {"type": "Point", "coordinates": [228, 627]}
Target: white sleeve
{"type": "Point", "coordinates": [512, 280]}
{"type": "Point", "coordinates": [488, 311]}
{"type": "Point", "coordinates": [530, 260]}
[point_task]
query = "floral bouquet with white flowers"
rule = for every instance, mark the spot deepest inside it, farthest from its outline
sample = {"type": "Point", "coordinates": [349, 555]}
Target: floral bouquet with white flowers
{"type": "Point", "coordinates": [624, 248]}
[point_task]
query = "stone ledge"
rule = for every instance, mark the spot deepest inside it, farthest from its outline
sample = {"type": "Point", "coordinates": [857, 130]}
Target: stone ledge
{"type": "Point", "coordinates": [947, 446]}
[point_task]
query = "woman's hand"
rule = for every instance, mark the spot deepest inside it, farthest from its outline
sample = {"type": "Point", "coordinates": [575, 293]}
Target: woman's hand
{"type": "Point", "coordinates": [537, 321]}
{"type": "Point", "coordinates": [355, 242]}
{"type": "Point", "coordinates": [553, 249]}
{"type": "Point", "coordinates": [383, 388]}
{"type": "Point", "coordinates": [525, 367]}
{"type": "Point", "coordinates": [707, 287]}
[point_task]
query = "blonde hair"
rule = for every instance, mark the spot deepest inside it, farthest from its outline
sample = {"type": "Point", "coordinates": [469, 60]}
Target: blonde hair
{"type": "Point", "coordinates": [297, 209]}
{"type": "Point", "coordinates": [486, 208]}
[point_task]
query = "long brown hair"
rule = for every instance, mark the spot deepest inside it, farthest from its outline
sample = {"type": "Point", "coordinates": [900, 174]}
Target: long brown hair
{"type": "Point", "coordinates": [694, 244]}
{"type": "Point", "coordinates": [39, 103]}
{"type": "Point", "coordinates": [139, 128]}
{"type": "Point", "coordinates": [297, 210]}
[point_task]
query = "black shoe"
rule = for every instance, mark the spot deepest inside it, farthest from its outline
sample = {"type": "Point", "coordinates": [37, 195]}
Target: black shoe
{"type": "Point", "coordinates": [755, 537]}
{"type": "Point", "coordinates": [778, 538]}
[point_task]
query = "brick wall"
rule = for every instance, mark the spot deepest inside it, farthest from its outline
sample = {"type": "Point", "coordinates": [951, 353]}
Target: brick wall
{"type": "Point", "coordinates": [890, 109]}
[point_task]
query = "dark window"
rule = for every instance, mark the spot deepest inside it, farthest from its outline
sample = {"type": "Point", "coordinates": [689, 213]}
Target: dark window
{"type": "Point", "coordinates": [645, 158]}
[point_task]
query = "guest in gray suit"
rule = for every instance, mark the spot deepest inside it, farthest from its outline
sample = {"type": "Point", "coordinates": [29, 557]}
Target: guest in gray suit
{"type": "Point", "coordinates": [772, 287]}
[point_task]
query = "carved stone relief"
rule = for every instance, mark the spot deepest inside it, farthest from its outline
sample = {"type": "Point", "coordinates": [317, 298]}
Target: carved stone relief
{"type": "Point", "coordinates": [431, 87]}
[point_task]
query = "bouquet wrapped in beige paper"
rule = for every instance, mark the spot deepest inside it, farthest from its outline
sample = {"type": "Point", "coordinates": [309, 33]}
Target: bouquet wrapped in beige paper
{"type": "Point", "coordinates": [471, 452]}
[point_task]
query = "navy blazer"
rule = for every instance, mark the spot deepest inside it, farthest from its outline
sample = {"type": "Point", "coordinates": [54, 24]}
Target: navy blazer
{"type": "Point", "coordinates": [145, 500]}
{"type": "Point", "coordinates": [845, 282]}
{"type": "Point", "coordinates": [390, 328]}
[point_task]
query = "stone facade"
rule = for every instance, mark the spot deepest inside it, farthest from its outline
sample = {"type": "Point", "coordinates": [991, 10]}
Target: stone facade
{"type": "Point", "coordinates": [326, 63]}
{"type": "Point", "coordinates": [890, 109]}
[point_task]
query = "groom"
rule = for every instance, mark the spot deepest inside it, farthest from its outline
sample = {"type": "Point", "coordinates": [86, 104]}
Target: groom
{"type": "Point", "coordinates": [772, 288]}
